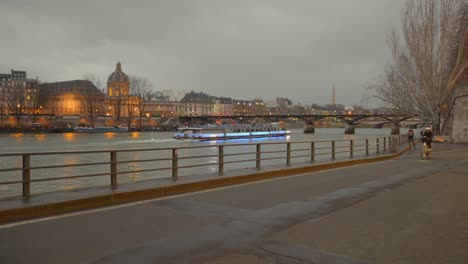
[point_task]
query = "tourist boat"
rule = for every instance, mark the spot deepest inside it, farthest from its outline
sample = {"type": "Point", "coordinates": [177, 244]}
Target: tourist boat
{"type": "Point", "coordinates": [225, 132]}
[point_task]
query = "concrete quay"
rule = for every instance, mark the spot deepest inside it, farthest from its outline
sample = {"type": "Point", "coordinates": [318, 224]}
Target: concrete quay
{"type": "Point", "coordinates": [404, 210]}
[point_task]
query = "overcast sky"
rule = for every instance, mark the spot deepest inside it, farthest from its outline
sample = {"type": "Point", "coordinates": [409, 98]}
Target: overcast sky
{"type": "Point", "coordinates": [238, 48]}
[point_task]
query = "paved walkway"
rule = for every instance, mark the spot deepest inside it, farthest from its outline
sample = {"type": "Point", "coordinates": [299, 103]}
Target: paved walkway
{"type": "Point", "coordinates": [401, 211]}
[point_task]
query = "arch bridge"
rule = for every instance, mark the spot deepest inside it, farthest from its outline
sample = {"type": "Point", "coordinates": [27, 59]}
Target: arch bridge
{"type": "Point", "coordinates": [350, 121]}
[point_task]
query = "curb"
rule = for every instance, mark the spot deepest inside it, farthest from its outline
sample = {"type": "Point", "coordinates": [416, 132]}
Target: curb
{"type": "Point", "coordinates": [44, 210]}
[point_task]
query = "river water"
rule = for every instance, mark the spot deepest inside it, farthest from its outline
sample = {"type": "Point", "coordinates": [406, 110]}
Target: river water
{"type": "Point", "coordinates": [27, 143]}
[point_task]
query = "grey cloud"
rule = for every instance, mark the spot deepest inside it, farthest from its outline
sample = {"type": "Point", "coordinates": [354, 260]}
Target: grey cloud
{"type": "Point", "coordinates": [242, 48]}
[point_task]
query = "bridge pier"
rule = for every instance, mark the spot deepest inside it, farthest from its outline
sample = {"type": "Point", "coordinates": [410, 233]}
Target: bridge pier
{"type": "Point", "coordinates": [349, 128]}
{"type": "Point", "coordinates": [395, 129]}
{"type": "Point", "coordinates": [309, 129]}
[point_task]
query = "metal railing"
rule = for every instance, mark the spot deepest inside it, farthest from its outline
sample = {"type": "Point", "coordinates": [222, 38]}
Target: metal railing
{"type": "Point", "coordinates": [258, 155]}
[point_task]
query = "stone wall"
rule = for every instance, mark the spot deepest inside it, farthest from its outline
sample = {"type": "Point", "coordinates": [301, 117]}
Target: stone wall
{"type": "Point", "coordinates": [460, 117]}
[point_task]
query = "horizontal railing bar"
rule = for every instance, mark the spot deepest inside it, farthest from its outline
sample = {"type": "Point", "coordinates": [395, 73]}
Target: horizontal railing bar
{"type": "Point", "coordinates": [323, 148]}
{"type": "Point", "coordinates": [11, 169]}
{"type": "Point", "coordinates": [198, 165]}
{"type": "Point", "coordinates": [300, 156]}
{"type": "Point", "coordinates": [273, 151]}
{"type": "Point", "coordinates": [238, 161]}
{"type": "Point", "coordinates": [145, 170]}
{"type": "Point", "coordinates": [159, 149]}
{"type": "Point", "coordinates": [273, 158]}
{"type": "Point", "coordinates": [10, 182]}
{"type": "Point", "coordinates": [240, 154]}
{"type": "Point", "coordinates": [339, 147]}
{"type": "Point", "coordinates": [344, 151]}
{"type": "Point", "coordinates": [70, 177]}
{"type": "Point", "coordinates": [296, 150]}
{"type": "Point", "coordinates": [96, 163]}
{"type": "Point", "coordinates": [357, 150]}
{"type": "Point", "coordinates": [322, 154]}
{"type": "Point", "coordinates": [83, 151]}
{"type": "Point", "coordinates": [143, 160]}
{"type": "Point", "coordinates": [196, 157]}
{"type": "Point", "coordinates": [325, 153]}
{"type": "Point", "coordinates": [68, 165]}
{"type": "Point", "coordinates": [359, 145]}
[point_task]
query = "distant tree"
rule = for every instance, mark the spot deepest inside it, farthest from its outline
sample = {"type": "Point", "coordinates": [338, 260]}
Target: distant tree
{"type": "Point", "coordinates": [428, 60]}
{"type": "Point", "coordinates": [16, 100]}
{"type": "Point", "coordinates": [159, 96]}
{"type": "Point", "coordinates": [34, 100]}
{"type": "Point", "coordinates": [92, 97]}
{"type": "Point", "coordinates": [141, 89]}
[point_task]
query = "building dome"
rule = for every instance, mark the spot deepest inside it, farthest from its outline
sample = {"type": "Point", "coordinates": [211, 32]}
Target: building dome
{"type": "Point", "coordinates": [118, 75]}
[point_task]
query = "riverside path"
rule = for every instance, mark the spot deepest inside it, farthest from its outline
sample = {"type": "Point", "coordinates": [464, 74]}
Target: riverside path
{"type": "Point", "coordinates": [405, 210]}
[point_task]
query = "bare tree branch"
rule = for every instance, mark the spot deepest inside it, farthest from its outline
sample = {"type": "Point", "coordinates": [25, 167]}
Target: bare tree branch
{"type": "Point", "coordinates": [429, 60]}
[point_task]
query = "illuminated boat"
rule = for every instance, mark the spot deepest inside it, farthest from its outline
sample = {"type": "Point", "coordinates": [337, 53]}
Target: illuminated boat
{"type": "Point", "coordinates": [231, 132]}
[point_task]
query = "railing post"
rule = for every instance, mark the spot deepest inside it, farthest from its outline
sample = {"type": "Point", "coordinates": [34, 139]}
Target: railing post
{"type": "Point", "coordinates": [26, 176]}
{"type": "Point", "coordinates": [377, 144]}
{"type": "Point", "coordinates": [312, 151]}
{"type": "Point", "coordinates": [113, 167]}
{"type": "Point", "coordinates": [221, 159]}
{"type": "Point", "coordinates": [367, 147]}
{"type": "Point", "coordinates": [333, 149]}
{"type": "Point", "coordinates": [288, 153]}
{"type": "Point", "coordinates": [258, 157]}
{"type": "Point", "coordinates": [384, 144]}
{"type": "Point", "coordinates": [174, 164]}
{"type": "Point", "coordinates": [351, 148]}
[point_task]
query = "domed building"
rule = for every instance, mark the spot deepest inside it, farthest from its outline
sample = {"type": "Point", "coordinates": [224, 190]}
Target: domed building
{"type": "Point", "coordinates": [119, 98]}
{"type": "Point", "coordinates": [118, 82]}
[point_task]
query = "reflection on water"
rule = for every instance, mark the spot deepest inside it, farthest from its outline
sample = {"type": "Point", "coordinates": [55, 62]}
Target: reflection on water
{"type": "Point", "coordinates": [70, 160]}
{"type": "Point", "coordinates": [18, 142]}
{"type": "Point", "coordinates": [110, 135]}
{"type": "Point", "coordinates": [17, 136]}
{"type": "Point", "coordinates": [69, 137]}
{"type": "Point", "coordinates": [40, 137]}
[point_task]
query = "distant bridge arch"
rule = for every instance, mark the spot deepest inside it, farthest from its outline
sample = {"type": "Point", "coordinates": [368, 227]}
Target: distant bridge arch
{"type": "Point", "coordinates": [309, 119]}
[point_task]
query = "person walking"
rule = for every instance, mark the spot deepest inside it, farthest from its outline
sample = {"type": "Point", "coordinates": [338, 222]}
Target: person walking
{"type": "Point", "coordinates": [411, 141]}
{"type": "Point", "coordinates": [427, 138]}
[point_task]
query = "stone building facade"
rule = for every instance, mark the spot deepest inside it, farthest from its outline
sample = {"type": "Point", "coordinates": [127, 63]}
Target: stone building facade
{"type": "Point", "coordinates": [18, 99]}
{"type": "Point", "coordinates": [223, 106]}
{"type": "Point", "coordinates": [195, 104]}
{"type": "Point", "coordinates": [78, 98]}
{"type": "Point", "coordinates": [18, 93]}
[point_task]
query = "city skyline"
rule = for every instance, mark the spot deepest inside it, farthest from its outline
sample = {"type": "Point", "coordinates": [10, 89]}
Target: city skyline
{"type": "Point", "coordinates": [246, 49]}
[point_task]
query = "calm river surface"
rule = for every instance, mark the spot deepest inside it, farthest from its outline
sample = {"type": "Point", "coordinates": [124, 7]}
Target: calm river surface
{"type": "Point", "coordinates": [26, 143]}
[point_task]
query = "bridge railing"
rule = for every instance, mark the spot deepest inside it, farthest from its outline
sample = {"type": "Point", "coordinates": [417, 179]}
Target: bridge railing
{"type": "Point", "coordinates": [23, 173]}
